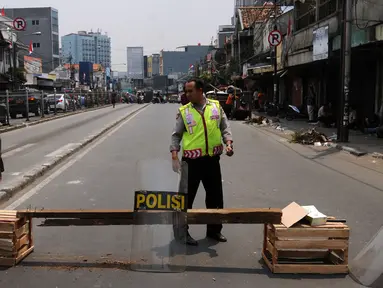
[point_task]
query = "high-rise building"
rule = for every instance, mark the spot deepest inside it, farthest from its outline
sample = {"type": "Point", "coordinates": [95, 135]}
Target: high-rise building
{"type": "Point", "coordinates": [145, 66]}
{"type": "Point", "coordinates": [42, 30]}
{"type": "Point", "coordinates": [87, 47]}
{"type": "Point", "coordinates": [135, 62]}
{"type": "Point", "coordinates": [150, 63]}
{"type": "Point", "coordinates": [155, 64]}
{"type": "Point", "coordinates": [174, 62]}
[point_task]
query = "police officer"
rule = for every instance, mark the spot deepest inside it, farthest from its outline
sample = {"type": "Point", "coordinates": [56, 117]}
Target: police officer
{"type": "Point", "coordinates": [201, 125]}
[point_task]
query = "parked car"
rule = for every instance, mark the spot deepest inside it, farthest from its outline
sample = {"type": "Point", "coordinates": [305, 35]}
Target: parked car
{"type": "Point", "coordinates": [62, 102]}
{"type": "Point", "coordinates": [3, 114]}
{"type": "Point", "coordinates": [18, 104]}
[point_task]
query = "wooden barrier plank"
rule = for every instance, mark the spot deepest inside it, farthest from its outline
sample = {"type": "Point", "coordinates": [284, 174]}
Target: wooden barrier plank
{"type": "Point", "coordinates": [129, 217]}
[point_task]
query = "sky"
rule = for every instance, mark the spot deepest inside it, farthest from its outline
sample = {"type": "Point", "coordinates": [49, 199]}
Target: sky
{"type": "Point", "coordinates": [153, 24]}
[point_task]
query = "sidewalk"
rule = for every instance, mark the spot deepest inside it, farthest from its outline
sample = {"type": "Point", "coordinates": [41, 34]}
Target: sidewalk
{"type": "Point", "coordinates": [357, 140]}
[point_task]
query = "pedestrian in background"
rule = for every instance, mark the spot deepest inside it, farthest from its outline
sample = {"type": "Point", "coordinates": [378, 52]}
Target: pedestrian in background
{"type": "Point", "coordinates": [255, 99]}
{"type": "Point", "coordinates": [114, 97]}
{"type": "Point", "coordinates": [311, 103]}
{"type": "Point", "coordinates": [201, 125]}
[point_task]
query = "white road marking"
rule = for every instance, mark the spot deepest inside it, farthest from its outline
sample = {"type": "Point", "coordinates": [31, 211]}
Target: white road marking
{"type": "Point", "coordinates": [58, 172]}
{"type": "Point", "coordinates": [63, 149]}
{"type": "Point", "coordinates": [16, 173]}
{"type": "Point", "coordinates": [18, 150]}
{"type": "Point", "coordinates": [74, 182]}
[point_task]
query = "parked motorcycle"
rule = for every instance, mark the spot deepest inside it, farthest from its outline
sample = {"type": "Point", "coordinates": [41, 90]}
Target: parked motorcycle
{"type": "Point", "coordinates": [140, 99]}
{"type": "Point", "coordinates": [271, 109]}
{"type": "Point", "coordinates": [293, 113]}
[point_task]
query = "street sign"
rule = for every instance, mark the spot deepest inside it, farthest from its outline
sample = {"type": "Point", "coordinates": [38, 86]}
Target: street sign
{"type": "Point", "coordinates": [19, 24]}
{"type": "Point", "coordinates": [275, 38]}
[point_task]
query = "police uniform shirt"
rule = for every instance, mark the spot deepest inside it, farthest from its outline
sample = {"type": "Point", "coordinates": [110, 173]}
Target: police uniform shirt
{"type": "Point", "coordinates": [180, 128]}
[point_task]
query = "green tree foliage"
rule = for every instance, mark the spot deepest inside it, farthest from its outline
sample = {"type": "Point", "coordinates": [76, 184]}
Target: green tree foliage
{"type": "Point", "coordinates": [19, 75]}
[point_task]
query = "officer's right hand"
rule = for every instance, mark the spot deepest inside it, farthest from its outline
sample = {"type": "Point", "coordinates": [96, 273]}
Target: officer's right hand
{"type": "Point", "coordinates": [176, 164]}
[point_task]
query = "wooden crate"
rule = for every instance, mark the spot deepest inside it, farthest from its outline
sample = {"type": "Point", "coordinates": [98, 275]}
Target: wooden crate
{"type": "Point", "coordinates": [305, 249]}
{"type": "Point", "coordinates": [15, 238]}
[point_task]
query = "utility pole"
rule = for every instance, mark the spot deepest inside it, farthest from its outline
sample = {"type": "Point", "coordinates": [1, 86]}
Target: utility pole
{"type": "Point", "coordinates": [346, 71]}
{"type": "Point", "coordinates": [276, 80]}
{"type": "Point", "coordinates": [71, 71]}
{"type": "Point", "coordinates": [14, 57]}
{"type": "Point", "coordinates": [10, 63]}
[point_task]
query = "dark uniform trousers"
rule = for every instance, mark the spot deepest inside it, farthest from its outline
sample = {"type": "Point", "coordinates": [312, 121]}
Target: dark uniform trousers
{"type": "Point", "coordinates": [208, 171]}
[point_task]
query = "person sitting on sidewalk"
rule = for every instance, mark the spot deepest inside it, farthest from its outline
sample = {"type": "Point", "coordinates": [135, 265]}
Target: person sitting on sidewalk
{"type": "Point", "coordinates": [372, 125]}
{"type": "Point", "coordinates": [325, 116]}
{"type": "Point", "coordinates": [352, 124]}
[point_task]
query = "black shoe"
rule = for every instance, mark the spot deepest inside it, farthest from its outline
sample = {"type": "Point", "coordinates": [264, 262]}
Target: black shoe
{"type": "Point", "coordinates": [188, 240]}
{"type": "Point", "coordinates": [216, 236]}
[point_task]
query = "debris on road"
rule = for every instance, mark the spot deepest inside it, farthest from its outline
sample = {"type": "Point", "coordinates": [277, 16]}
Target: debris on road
{"type": "Point", "coordinates": [309, 137]}
{"type": "Point", "coordinates": [255, 120]}
{"type": "Point", "coordinates": [262, 120]}
{"type": "Point", "coordinates": [305, 136]}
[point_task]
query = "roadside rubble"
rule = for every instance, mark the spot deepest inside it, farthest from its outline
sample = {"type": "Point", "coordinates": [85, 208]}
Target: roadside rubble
{"type": "Point", "coordinates": [311, 137]}
{"type": "Point", "coordinates": [305, 136]}
{"type": "Point", "coordinates": [262, 120]}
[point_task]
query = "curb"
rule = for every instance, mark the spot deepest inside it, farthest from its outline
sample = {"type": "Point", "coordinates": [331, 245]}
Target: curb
{"type": "Point", "coordinates": [7, 192]}
{"type": "Point", "coordinates": [353, 151]}
{"type": "Point", "coordinates": [377, 155]}
{"type": "Point", "coordinates": [23, 125]}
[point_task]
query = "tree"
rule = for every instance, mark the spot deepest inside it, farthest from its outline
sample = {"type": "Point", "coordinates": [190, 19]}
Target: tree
{"type": "Point", "coordinates": [19, 75]}
{"type": "Point", "coordinates": [206, 77]}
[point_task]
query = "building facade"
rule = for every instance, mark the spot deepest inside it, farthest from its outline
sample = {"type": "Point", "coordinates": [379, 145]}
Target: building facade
{"type": "Point", "coordinates": [145, 66]}
{"type": "Point", "coordinates": [224, 34]}
{"type": "Point", "coordinates": [309, 55]}
{"type": "Point", "coordinates": [155, 64]}
{"type": "Point", "coordinates": [87, 47]}
{"type": "Point", "coordinates": [150, 65]}
{"type": "Point", "coordinates": [135, 62]}
{"type": "Point", "coordinates": [43, 21]}
{"type": "Point", "coordinates": [180, 61]}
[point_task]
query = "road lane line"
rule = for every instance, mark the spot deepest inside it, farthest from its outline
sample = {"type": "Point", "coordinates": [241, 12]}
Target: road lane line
{"type": "Point", "coordinates": [58, 172]}
{"type": "Point", "coordinates": [18, 150]}
{"type": "Point", "coordinates": [63, 149]}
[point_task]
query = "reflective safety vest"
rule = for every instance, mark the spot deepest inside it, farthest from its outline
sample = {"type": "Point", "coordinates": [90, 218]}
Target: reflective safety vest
{"type": "Point", "coordinates": [203, 136]}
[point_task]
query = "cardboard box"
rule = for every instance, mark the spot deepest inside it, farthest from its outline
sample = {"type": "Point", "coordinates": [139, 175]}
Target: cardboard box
{"type": "Point", "coordinates": [292, 214]}
{"type": "Point", "coordinates": [315, 217]}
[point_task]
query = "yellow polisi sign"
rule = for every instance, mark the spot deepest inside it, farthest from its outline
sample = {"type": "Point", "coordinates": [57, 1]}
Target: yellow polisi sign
{"type": "Point", "coordinates": [158, 200]}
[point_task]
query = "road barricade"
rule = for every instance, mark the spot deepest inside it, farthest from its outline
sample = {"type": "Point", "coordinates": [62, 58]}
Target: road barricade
{"type": "Point", "coordinates": [285, 250]}
{"type": "Point", "coordinates": [303, 249]}
{"type": "Point", "coordinates": [16, 240]}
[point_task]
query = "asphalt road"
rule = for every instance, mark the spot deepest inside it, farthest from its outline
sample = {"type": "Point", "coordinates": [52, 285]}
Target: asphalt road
{"type": "Point", "coordinates": [264, 172]}
{"type": "Point", "coordinates": [30, 147]}
{"type": "Point", "coordinates": [20, 120]}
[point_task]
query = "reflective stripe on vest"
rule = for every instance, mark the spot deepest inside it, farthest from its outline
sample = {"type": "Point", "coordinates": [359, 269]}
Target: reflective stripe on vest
{"type": "Point", "coordinates": [203, 135]}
